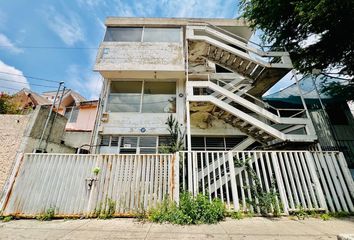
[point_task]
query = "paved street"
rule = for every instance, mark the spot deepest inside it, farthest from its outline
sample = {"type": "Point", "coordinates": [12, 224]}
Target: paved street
{"type": "Point", "coordinates": [125, 228]}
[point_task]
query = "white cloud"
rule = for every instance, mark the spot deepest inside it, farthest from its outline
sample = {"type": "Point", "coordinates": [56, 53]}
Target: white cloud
{"type": "Point", "coordinates": [12, 82]}
{"type": "Point", "coordinates": [67, 27]}
{"type": "Point", "coordinates": [182, 8]}
{"type": "Point", "coordinates": [84, 81]}
{"type": "Point", "coordinates": [5, 41]}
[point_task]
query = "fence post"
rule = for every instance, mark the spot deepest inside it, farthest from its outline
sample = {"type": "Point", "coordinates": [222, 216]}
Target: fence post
{"type": "Point", "coordinates": [312, 169]}
{"type": "Point", "coordinates": [175, 177]}
{"type": "Point", "coordinates": [280, 183]}
{"type": "Point", "coordinates": [233, 182]}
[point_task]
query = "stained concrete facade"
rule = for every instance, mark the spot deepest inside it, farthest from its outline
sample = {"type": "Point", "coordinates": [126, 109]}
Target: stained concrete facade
{"type": "Point", "coordinates": [156, 61]}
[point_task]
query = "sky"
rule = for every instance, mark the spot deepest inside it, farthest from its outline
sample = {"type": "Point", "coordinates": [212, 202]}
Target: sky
{"type": "Point", "coordinates": [58, 40]}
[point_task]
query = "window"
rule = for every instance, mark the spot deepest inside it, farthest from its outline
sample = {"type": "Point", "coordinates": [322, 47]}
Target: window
{"type": "Point", "coordinates": [120, 34]}
{"type": "Point", "coordinates": [128, 34]}
{"type": "Point", "coordinates": [132, 144]}
{"type": "Point", "coordinates": [215, 143]}
{"type": "Point", "coordinates": [143, 96]}
{"type": "Point", "coordinates": [162, 35]}
{"type": "Point", "coordinates": [71, 113]}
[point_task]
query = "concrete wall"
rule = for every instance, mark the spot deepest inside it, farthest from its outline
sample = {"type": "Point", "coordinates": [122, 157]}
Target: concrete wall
{"type": "Point", "coordinates": [77, 139]}
{"type": "Point", "coordinates": [85, 120]}
{"type": "Point", "coordinates": [140, 56]}
{"type": "Point", "coordinates": [12, 128]}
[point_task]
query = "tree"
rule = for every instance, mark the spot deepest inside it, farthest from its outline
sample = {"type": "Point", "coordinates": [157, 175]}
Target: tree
{"type": "Point", "coordinates": [7, 105]}
{"type": "Point", "coordinates": [318, 34]}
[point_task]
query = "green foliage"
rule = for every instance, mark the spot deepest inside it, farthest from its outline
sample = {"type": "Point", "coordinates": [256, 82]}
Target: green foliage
{"type": "Point", "coordinates": [191, 210]}
{"type": "Point", "coordinates": [289, 23]}
{"type": "Point", "coordinates": [265, 201]}
{"type": "Point", "coordinates": [96, 170]}
{"type": "Point", "coordinates": [7, 105]}
{"type": "Point", "coordinates": [106, 209]}
{"type": "Point", "coordinates": [325, 217]}
{"type": "Point", "coordinates": [341, 214]}
{"type": "Point", "coordinates": [300, 213]}
{"type": "Point", "coordinates": [339, 91]}
{"type": "Point", "coordinates": [47, 215]}
{"type": "Point", "coordinates": [176, 142]}
{"type": "Point", "coordinates": [237, 215]}
{"type": "Point", "coordinates": [7, 219]}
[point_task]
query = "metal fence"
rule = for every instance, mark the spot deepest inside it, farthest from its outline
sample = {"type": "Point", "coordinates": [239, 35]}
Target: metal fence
{"type": "Point", "coordinates": [299, 179]}
{"type": "Point", "coordinates": [67, 183]}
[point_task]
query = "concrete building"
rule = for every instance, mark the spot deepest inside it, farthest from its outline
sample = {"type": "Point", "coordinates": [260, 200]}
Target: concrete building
{"type": "Point", "coordinates": [206, 73]}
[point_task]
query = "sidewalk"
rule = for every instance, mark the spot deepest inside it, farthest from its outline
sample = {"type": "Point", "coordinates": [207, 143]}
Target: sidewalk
{"type": "Point", "coordinates": [125, 228]}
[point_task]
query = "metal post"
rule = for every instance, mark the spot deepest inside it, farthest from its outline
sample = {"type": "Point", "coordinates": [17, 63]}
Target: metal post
{"type": "Point", "coordinates": [49, 115]}
{"type": "Point", "coordinates": [55, 116]}
{"type": "Point", "coordinates": [301, 95]}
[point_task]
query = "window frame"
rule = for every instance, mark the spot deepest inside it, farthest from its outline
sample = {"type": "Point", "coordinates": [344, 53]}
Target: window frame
{"type": "Point", "coordinates": [72, 108]}
{"type": "Point", "coordinates": [143, 32]}
{"type": "Point", "coordinates": [175, 81]}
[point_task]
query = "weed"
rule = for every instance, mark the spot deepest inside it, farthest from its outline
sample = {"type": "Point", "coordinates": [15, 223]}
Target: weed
{"type": "Point", "coordinates": [96, 170]}
{"type": "Point", "coordinates": [7, 219]}
{"type": "Point", "coordinates": [237, 215]}
{"type": "Point", "coordinates": [106, 209]}
{"type": "Point", "coordinates": [265, 201]}
{"type": "Point", "coordinates": [325, 217]}
{"type": "Point", "coordinates": [341, 214]}
{"type": "Point", "coordinates": [47, 215]}
{"type": "Point", "coordinates": [301, 214]}
{"type": "Point", "coordinates": [191, 210]}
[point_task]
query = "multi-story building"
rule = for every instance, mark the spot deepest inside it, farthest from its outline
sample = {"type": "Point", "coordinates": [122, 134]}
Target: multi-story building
{"type": "Point", "coordinates": [206, 73]}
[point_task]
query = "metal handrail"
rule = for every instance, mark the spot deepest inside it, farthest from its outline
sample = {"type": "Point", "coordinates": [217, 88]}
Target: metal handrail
{"type": "Point", "coordinates": [244, 40]}
{"type": "Point", "coordinates": [265, 104]}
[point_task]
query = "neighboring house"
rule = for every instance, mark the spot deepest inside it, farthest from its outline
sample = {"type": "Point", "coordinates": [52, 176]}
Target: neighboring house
{"type": "Point", "coordinates": [334, 126]}
{"type": "Point", "coordinates": [28, 100]}
{"type": "Point", "coordinates": [81, 115]}
{"type": "Point", "coordinates": [203, 72]}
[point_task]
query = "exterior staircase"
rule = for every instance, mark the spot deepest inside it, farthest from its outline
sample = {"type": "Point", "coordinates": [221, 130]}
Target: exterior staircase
{"type": "Point", "coordinates": [217, 45]}
{"type": "Point", "coordinates": [236, 101]}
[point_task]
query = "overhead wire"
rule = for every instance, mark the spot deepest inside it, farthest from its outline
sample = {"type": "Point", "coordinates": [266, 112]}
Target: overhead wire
{"type": "Point", "coordinates": [31, 77]}
{"type": "Point", "coordinates": [33, 84]}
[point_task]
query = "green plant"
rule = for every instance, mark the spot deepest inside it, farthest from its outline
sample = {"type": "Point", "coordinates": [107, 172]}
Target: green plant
{"type": "Point", "coordinates": [176, 142]}
{"type": "Point", "coordinates": [7, 219]}
{"type": "Point", "coordinates": [237, 215]}
{"type": "Point", "coordinates": [340, 214]}
{"type": "Point", "coordinates": [191, 210]}
{"type": "Point", "coordinates": [96, 170]}
{"type": "Point", "coordinates": [266, 201]}
{"type": "Point", "coordinates": [325, 217]}
{"type": "Point", "coordinates": [301, 214]}
{"type": "Point", "coordinates": [106, 209]}
{"type": "Point", "coordinates": [46, 215]}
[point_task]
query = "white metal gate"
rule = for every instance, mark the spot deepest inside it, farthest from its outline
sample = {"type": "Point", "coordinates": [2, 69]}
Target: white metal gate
{"type": "Point", "coordinates": [67, 183]}
{"type": "Point", "coordinates": [311, 180]}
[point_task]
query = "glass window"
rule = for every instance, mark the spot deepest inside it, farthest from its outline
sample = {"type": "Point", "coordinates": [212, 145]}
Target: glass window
{"type": "Point", "coordinates": [122, 34]}
{"type": "Point", "coordinates": [71, 113]}
{"type": "Point", "coordinates": [128, 145]}
{"type": "Point", "coordinates": [159, 97]}
{"type": "Point", "coordinates": [105, 140]}
{"type": "Point", "coordinates": [162, 35]}
{"type": "Point", "coordinates": [124, 97]}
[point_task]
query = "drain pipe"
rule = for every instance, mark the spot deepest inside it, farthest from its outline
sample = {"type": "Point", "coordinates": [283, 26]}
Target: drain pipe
{"type": "Point", "coordinates": [48, 118]}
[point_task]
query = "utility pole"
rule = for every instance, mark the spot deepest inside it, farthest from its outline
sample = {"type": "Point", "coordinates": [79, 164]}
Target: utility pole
{"type": "Point", "coordinates": [48, 118]}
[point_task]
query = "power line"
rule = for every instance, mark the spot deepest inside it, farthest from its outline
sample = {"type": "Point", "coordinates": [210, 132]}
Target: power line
{"type": "Point", "coordinates": [33, 84]}
{"type": "Point", "coordinates": [51, 47]}
{"type": "Point", "coordinates": [26, 76]}
{"type": "Point", "coordinates": [17, 89]}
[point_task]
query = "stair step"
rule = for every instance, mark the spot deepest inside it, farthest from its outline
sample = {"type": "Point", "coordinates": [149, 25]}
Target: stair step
{"type": "Point", "coordinates": [243, 66]}
{"type": "Point", "coordinates": [236, 63]}
{"type": "Point", "coordinates": [218, 55]}
{"type": "Point", "coordinates": [250, 68]}
{"type": "Point", "coordinates": [226, 56]}
{"type": "Point", "coordinates": [231, 59]}
{"type": "Point", "coordinates": [256, 72]}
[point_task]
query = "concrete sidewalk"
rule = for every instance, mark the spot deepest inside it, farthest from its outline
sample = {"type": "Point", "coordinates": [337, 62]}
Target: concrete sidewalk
{"type": "Point", "coordinates": [250, 228]}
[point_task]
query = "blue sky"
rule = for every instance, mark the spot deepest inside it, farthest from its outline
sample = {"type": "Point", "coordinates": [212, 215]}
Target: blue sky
{"type": "Point", "coordinates": [75, 24]}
